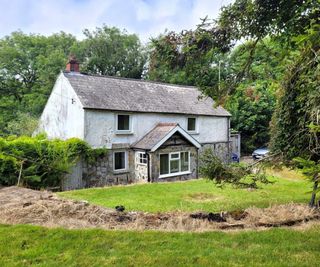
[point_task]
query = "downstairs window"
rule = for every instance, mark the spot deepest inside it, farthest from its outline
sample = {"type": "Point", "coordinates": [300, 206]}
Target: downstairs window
{"type": "Point", "coordinates": [120, 161]}
{"type": "Point", "coordinates": [174, 163]}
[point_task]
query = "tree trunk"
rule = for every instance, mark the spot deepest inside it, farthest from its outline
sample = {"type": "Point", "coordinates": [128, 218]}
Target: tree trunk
{"type": "Point", "coordinates": [314, 191]}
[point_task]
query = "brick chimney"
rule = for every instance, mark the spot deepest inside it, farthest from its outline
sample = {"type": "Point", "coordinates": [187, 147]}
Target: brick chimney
{"type": "Point", "coordinates": [73, 64]}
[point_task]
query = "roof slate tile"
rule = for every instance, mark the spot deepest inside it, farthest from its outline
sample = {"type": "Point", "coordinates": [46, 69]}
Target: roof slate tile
{"type": "Point", "coordinates": [121, 94]}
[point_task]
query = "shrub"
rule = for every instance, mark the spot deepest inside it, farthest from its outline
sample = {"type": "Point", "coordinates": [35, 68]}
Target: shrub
{"type": "Point", "coordinates": [44, 162]}
{"type": "Point", "coordinates": [237, 174]}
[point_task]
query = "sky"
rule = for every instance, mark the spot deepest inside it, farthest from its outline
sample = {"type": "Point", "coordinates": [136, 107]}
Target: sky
{"type": "Point", "coordinates": [147, 18]}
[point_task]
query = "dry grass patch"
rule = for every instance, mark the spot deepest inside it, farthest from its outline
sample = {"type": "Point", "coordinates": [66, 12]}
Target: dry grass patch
{"type": "Point", "coordinates": [203, 197]}
{"type": "Point", "coordinates": [286, 173]}
{"type": "Point", "coordinates": [25, 206]}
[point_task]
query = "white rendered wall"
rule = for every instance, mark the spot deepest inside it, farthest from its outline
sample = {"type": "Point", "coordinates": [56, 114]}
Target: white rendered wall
{"type": "Point", "coordinates": [63, 115]}
{"type": "Point", "coordinates": [100, 127]}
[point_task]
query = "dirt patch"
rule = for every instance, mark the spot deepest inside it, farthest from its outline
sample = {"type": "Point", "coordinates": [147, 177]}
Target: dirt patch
{"type": "Point", "coordinates": [25, 206]}
{"type": "Point", "coordinates": [202, 197]}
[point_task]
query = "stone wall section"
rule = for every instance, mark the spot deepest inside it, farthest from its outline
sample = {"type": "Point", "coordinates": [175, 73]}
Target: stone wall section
{"type": "Point", "coordinates": [141, 172]}
{"type": "Point", "coordinates": [221, 149]}
{"type": "Point", "coordinates": [101, 173]}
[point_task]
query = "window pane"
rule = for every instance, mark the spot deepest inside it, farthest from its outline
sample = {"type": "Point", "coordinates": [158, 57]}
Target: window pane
{"type": "Point", "coordinates": [174, 156]}
{"type": "Point", "coordinates": [123, 122]}
{"type": "Point", "coordinates": [142, 158]}
{"type": "Point", "coordinates": [191, 124]}
{"type": "Point", "coordinates": [184, 161]}
{"type": "Point", "coordinates": [119, 160]}
{"type": "Point", "coordinates": [174, 166]}
{"type": "Point", "coordinates": [164, 164]}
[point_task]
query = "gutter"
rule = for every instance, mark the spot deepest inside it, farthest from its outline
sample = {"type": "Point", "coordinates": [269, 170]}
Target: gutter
{"type": "Point", "coordinates": [148, 166]}
{"type": "Point", "coordinates": [229, 155]}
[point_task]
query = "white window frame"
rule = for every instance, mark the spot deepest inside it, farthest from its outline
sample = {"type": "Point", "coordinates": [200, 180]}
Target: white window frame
{"type": "Point", "coordinates": [125, 162]}
{"type": "Point", "coordinates": [129, 131]}
{"type": "Point", "coordinates": [196, 130]}
{"type": "Point", "coordinates": [138, 157]}
{"type": "Point", "coordinates": [176, 173]}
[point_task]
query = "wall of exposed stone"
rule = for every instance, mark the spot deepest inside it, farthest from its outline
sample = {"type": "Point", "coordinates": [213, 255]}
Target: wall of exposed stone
{"type": "Point", "coordinates": [101, 173]}
{"type": "Point", "coordinates": [221, 150]}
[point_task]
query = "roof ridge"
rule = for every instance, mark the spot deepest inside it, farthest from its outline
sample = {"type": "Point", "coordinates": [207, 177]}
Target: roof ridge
{"type": "Point", "coordinates": [135, 80]}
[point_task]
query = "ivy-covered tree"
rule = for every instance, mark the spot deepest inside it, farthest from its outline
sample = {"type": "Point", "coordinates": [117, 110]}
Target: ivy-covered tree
{"type": "Point", "coordinates": [296, 121]}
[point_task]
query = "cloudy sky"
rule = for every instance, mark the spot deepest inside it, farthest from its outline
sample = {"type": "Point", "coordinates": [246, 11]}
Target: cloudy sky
{"type": "Point", "coordinates": [145, 17]}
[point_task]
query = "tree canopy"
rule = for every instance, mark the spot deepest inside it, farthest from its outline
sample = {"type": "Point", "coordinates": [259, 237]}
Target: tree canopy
{"type": "Point", "coordinates": [110, 51]}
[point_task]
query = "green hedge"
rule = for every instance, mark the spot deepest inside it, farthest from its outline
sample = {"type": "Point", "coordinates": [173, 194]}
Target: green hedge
{"type": "Point", "coordinates": [44, 162]}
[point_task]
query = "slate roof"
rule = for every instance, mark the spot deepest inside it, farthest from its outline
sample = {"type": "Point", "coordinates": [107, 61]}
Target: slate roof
{"type": "Point", "coordinates": [121, 94]}
{"type": "Point", "coordinates": [154, 136]}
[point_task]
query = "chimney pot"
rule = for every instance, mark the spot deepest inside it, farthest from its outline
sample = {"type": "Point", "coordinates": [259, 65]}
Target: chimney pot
{"type": "Point", "coordinates": [73, 64]}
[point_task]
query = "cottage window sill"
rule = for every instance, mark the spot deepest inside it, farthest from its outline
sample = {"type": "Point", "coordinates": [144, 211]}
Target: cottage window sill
{"type": "Point", "coordinates": [120, 171]}
{"type": "Point", "coordinates": [174, 174]}
{"type": "Point", "coordinates": [142, 164]}
{"type": "Point", "coordinates": [193, 132]}
{"type": "Point", "coordinates": [123, 132]}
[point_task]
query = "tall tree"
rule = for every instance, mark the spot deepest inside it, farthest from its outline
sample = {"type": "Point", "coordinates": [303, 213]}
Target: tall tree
{"type": "Point", "coordinates": [110, 51]}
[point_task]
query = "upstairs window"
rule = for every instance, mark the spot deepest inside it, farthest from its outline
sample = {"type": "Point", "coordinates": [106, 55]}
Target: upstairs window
{"type": "Point", "coordinates": [192, 125]}
{"type": "Point", "coordinates": [123, 123]}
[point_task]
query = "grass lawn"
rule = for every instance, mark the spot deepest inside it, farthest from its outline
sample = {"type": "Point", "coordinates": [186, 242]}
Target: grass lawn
{"type": "Point", "coordinates": [197, 195]}
{"type": "Point", "coordinates": [25, 245]}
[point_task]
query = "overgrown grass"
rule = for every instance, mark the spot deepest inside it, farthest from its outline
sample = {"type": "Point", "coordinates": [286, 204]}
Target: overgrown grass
{"type": "Point", "coordinates": [196, 195]}
{"type": "Point", "coordinates": [24, 245]}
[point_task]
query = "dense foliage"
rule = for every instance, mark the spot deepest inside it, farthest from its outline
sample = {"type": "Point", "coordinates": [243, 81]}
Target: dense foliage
{"type": "Point", "coordinates": [109, 51]}
{"type": "Point", "coordinates": [41, 162]}
{"type": "Point", "coordinates": [297, 117]}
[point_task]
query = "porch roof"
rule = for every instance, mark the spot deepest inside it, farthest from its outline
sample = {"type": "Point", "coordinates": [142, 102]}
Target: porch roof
{"type": "Point", "coordinates": [160, 134]}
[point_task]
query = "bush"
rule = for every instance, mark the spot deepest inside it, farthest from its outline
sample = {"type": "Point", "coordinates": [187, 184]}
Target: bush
{"type": "Point", "coordinates": [237, 174]}
{"type": "Point", "coordinates": [44, 162]}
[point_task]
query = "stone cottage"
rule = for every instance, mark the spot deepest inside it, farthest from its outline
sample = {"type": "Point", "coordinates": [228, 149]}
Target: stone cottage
{"type": "Point", "coordinates": [154, 131]}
